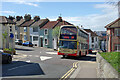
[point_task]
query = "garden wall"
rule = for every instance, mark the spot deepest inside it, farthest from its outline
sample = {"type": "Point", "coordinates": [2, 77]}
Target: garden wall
{"type": "Point", "coordinates": [104, 69]}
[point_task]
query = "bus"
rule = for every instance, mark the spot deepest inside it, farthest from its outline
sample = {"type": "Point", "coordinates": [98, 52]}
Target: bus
{"type": "Point", "coordinates": [73, 41]}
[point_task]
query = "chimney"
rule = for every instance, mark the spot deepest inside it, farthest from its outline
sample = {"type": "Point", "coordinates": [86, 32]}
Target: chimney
{"type": "Point", "coordinates": [59, 19]}
{"type": "Point", "coordinates": [36, 18]}
{"type": "Point", "coordinates": [18, 18]}
{"type": "Point", "coordinates": [27, 17]}
{"type": "Point", "coordinates": [11, 17]}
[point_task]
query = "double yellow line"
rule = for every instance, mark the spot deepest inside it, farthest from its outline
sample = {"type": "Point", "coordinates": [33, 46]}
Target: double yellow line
{"type": "Point", "coordinates": [66, 75]}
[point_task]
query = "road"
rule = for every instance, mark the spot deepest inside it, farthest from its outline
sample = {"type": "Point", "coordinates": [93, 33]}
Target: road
{"type": "Point", "coordinates": [44, 63]}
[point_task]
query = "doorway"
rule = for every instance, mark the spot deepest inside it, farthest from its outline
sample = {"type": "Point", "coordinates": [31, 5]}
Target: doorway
{"type": "Point", "coordinates": [41, 41]}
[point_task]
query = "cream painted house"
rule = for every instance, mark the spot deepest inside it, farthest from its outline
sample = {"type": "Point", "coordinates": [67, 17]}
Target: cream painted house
{"type": "Point", "coordinates": [7, 26]}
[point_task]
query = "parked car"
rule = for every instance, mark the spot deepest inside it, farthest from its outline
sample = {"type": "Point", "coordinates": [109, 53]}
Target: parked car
{"type": "Point", "coordinates": [5, 58]}
{"type": "Point", "coordinates": [27, 44]}
{"type": "Point", "coordinates": [19, 42]}
{"type": "Point", "coordinates": [90, 51]}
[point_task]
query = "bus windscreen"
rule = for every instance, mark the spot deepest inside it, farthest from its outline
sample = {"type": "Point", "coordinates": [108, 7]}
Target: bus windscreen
{"type": "Point", "coordinates": [68, 33]}
{"type": "Point", "coordinates": [68, 44]}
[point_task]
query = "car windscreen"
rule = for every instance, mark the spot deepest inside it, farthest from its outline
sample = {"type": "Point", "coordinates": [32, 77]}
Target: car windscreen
{"type": "Point", "coordinates": [68, 44]}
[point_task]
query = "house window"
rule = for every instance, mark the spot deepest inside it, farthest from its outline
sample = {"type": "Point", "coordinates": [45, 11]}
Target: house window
{"type": "Point", "coordinates": [117, 32]}
{"type": "Point", "coordinates": [117, 47]}
{"type": "Point", "coordinates": [46, 41]}
{"type": "Point", "coordinates": [35, 38]}
{"type": "Point", "coordinates": [10, 28]}
{"type": "Point", "coordinates": [16, 27]}
{"type": "Point", "coordinates": [92, 39]}
{"type": "Point", "coordinates": [35, 29]}
{"type": "Point", "coordinates": [25, 29]}
{"type": "Point", "coordinates": [25, 37]}
{"type": "Point", "coordinates": [46, 31]}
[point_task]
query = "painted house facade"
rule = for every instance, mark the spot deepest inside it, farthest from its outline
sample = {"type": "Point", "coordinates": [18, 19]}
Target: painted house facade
{"type": "Point", "coordinates": [102, 39]}
{"type": "Point", "coordinates": [93, 39]}
{"type": "Point", "coordinates": [35, 29]}
{"type": "Point", "coordinates": [46, 38]}
{"type": "Point", "coordinates": [113, 36]}
{"type": "Point", "coordinates": [7, 25]}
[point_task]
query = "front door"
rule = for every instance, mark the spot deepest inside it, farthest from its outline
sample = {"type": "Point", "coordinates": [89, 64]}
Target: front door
{"type": "Point", "coordinates": [41, 40]}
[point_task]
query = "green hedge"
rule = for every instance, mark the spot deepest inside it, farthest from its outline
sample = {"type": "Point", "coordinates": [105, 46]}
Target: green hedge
{"type": "Point", "coordinates": [113, 58]}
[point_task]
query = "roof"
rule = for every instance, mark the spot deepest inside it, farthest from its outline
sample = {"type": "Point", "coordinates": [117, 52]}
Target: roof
{"type": "Point", "coordinates": [53, 24]}
{"type": "Point", "coordinates": [63, 23]}
{"type": "Point", "coordinates": [90, 31]}
{"type": "Point", "coordinates": [50, 24]}
{"type": "Point", "coordinates": [27, 23]}
{"type": "Point", "coordinates": [5, 20]}
{"type": "Point", "coordinates": [39, 22]}
{"type": "Point", "coordinates": [21, 21]}
{"type": "Point", "coordinates": [114, 24]}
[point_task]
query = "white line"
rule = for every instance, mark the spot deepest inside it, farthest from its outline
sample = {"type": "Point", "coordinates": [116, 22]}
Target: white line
{"type": "Point", "coordinates": [28, 61]}
{"type": "Point", "coordinates": [18, 67]}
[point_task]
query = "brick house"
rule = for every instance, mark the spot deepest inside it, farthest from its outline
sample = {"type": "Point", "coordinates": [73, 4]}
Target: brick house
{"type": "Point", "coordinates": [113, 36]}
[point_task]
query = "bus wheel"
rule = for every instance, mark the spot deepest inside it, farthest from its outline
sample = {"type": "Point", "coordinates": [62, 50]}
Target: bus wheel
{"type": "Point", "coordinates": [86, 53]}
{"type": "Point", "coordinates": [63, 56]}
{"type": "Point", "coordinates": [79, 54]}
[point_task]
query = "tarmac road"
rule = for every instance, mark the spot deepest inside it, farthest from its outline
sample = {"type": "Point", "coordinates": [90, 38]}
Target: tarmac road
{"type": "Point", "coordinates": [40, 63]}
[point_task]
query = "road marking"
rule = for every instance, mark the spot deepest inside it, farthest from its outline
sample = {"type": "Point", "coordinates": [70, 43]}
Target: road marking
{"type": "Point", "coordinates": [51, 52]}
{"type": "Point", "coordinates": [66, 75]}
{"type": "Point", "coordinates": [44, 58]}
{"type": "Point", "coordinates": [28, 61]}
{"type": "Point", "coordinates": [36, 56]}
{"type": "Point", "coordinates": [17, 67]}
{"type": "Point", "coordinates": [40, 52]}
{"type": "Point", "coordinates": [30, 55]}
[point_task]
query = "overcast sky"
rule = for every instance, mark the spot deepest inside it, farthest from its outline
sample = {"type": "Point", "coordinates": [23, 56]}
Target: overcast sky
{"type": "Point", "coordinates": [94, 15]}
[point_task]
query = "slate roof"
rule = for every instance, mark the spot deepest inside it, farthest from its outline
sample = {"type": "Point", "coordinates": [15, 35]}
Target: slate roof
{"type": "Point", "coordinates": [5, 20]}
{"type": "Point", "coordinates": [114, 24]}
{"type": "Point", "coordinates": [90, 31]}
{"type": "Point", "coordinates": [39, 22]}
{"type": "Point", "coordinates": [27, 23]}
{"type": "Point", "coordinates": [18, 23]}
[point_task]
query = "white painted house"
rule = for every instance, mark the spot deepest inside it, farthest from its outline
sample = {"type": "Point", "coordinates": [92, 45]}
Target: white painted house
{"type": "Point", "coordinates": [93, 39]}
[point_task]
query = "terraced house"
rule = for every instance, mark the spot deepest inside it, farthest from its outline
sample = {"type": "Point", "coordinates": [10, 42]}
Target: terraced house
{"type": "Point", "coordinates": [46, 37]}
{"type": "Point", "coordinates": [7, 27]}
{"type": "Point", "coordinates": [35, 29]}
{"type": "Point", "coordinates": [113, 36]}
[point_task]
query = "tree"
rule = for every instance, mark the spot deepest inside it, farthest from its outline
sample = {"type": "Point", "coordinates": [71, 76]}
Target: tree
{"type": "Point", "coordinates": [55, 31]}
{"type": "Point", "coordinates": [55, 34]}
{"type": "Point", "coordinates": [5, 34]}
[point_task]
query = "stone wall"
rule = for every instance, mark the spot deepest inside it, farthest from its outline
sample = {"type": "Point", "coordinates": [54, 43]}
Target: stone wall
{"type": "Point", "coordinates": [104, 69]}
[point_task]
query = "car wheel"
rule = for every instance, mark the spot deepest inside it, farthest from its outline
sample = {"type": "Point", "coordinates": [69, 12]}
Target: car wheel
{"type": "Point", "coordinates": [9, 59]}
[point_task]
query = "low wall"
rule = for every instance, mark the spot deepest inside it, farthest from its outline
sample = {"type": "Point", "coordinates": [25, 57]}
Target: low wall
{"type": "Point", "coordinates": [104, 69]}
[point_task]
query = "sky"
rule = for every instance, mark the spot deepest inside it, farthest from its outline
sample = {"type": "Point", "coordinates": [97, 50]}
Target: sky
{"type": "Point", "coordinates": [91, 15]}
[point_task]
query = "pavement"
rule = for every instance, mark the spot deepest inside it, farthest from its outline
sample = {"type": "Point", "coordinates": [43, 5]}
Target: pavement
{"type": "Point", "coordinates": [33, 63]}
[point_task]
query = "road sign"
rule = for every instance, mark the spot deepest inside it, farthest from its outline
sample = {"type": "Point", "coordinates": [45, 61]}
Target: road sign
{"type": "Point", "coordinates": [11, 35]}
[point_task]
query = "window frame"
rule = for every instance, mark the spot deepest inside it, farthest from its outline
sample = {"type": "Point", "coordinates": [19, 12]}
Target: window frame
{"type": "Point", "coordinates": [45, 41]}
{"type": "Point", "coordinates": [35, 28]}
{"type": "Point", "coordinates": [34, 39]}
{"type": "Point", "coordinates": [45, 32]}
